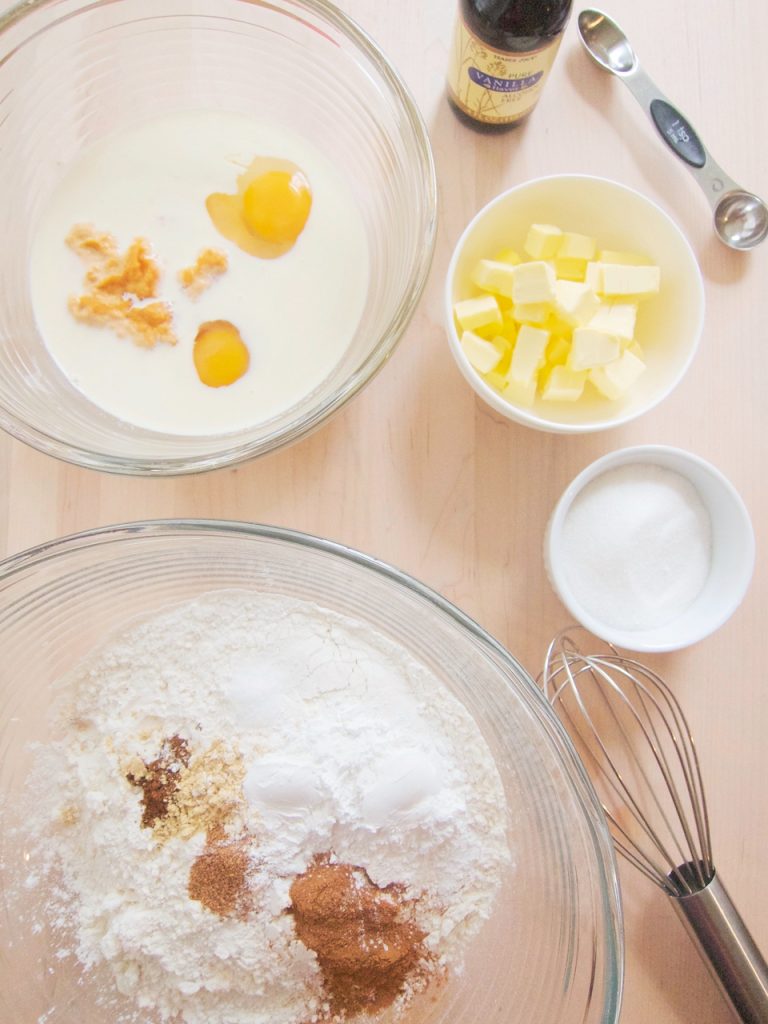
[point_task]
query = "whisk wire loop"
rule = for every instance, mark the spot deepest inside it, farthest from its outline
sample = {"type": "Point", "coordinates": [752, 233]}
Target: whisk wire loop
{"type": "Point", "coordinates": [630, 697]}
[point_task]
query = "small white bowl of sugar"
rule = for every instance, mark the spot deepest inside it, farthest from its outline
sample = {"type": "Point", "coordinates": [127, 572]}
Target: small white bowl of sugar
{"type": "Point", "coordinates": [650, 548]}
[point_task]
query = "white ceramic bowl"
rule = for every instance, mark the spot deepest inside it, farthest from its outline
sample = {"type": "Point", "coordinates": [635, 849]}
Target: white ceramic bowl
{"type": "Point", "coordinates": [669, 324]}
{"type": "Point", "coordinates": [732, 554]}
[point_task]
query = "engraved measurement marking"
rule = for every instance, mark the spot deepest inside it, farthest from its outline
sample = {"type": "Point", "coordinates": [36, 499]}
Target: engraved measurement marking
{"type": "Point", "coordinates": [677, 132]}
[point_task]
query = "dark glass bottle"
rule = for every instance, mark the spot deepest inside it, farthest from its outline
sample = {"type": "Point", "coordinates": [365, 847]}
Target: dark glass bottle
{"type": "Point", "coordinates": [501, 54]}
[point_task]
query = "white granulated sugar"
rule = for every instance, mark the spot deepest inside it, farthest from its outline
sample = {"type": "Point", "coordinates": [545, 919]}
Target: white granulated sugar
{"type": "Point", "coordinates": [637, 546]}
{"type": "Point", "coordinates": [349, 745]}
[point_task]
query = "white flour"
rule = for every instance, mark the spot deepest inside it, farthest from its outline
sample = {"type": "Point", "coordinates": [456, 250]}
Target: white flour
{"type": "Point", "coordinates": [350, 746]}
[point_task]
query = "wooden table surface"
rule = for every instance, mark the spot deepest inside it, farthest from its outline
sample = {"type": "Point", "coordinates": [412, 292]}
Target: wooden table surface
{"type": "Point", "coordinates": [417, 472]}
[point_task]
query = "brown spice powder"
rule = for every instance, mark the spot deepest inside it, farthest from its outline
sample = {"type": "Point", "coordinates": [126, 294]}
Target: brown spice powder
{"type": "Point", "coordinates": [364, 936]}
{"type": "Point", "coordinates": [116, 284]}
{"type": "Point", "coordinates": [159, 779]}
{"type": "Point", "coordinates": [218, 878]}
{"type": "Point", "coordinates": [209, 791]}
{"type": "Point", "coordinates": [210, 264]}
{"type": "Point", "coordinates": [184, 793]}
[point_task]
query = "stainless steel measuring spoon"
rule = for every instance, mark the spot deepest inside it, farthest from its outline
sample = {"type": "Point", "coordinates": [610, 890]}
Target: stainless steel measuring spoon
{"type": "Point", "coordinates": [741, 218]}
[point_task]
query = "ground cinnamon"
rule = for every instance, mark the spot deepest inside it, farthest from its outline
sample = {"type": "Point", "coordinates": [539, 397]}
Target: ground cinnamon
{"type": "Point", "coordinates": [364, 936]}
{"type": "Point", "coordinates": [218, 878]}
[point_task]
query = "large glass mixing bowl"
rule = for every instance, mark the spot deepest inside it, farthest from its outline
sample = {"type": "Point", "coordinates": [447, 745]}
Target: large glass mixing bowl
{"type": "Point", "coordinates": [552, 951]}
{"type": "Point", "coordinates": [73, 71]}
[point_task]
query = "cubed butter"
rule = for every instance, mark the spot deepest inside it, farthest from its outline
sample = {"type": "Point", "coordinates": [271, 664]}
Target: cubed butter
{"type": "Point", "coordinates": [562, 314]}
{"type": "Point", "coordinates": [497, 380]}
{"type": "Point", "coordinates": [621, 279]}
{"type": "Point", "coordinates": [627, 258]}
{"type": "Point", "coordinates": [528, 354]}
{"type": "Point", "coordinates": [533, 282]}
{"type": "Point", "coordinates": [493, 276]}
{"type": "Point", "coordinates": [556, 352]}
{"type": "Point", "coordinates": [592, 348]}
{"type": "Point", "coordinates": [556, 325]}
{"type": "Point", "coordinates": [504, 347]}
{"type": "Point", "coordinates": [564, 385]}
{"type": "Point", "coordinates": [520, 392]}
{"type": "Point", "coordinates": [531, 312]}
{"type": "Point", "coordinates": [617, 318]}
{"type": "Point", "coordinates": [636, 350]}
{"type": "Point", "coordinates": [509, 326]}
{"type": "Point", "coordinates": [479, 312]}
{"type": "Point", "coordinates": [573, 246]}
{"type": "Point", "coordinates": [568, 268]}
{"type": "Point", "coordinates": [615, 379]}
{"type": "Point", "coordinates": [508, 256]}
{"type": "Point", "coordinates": [482, 354]}
{"type": "Point", "coordinates": [542, 241]}
{"type": "Point", "coordinates": [575, 302]}
{"type": "Point", "coordinates": [593, 277]}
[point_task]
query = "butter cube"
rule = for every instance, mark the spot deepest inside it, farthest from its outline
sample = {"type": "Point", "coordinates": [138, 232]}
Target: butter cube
{"type": "Point", "coordinates": [573, 246]}
{"type": "Point", "coordinates": [564, 385]}
{"type": "Point", "coordinates": [479, 312]}
{"type": "Point", "coordinates": [508, 256]}
{"type": "Point", "coordinates": [575, 302]}
{"type": "Point", "coordinates": [620, 279]}
{"type": "Point", "coordinates": [556, 325]}
{"type": "Point", "coordinates": [542, 241]}
{"type": "Point", "coordinates": [593, 277]}
{"type": "Point", "coordinates": [528, 354]}
{"type": "Point", "coordinates": [483, 355]}
{"type": "Point", "coordinates": [533, 282]}
{"type": "Point", "coordinates": [493, 276]}
{"type": "Point", "coordinates": [636, 350]}
{"type": "Point", "coordinates": [615, 379]}
{"type": "Point", "coordinates": [616, 318]}
{"type": "Point", "coordinates": [503, 346]}
{"type": "Point", "coordinates": [497, 380]}
{"type": "Point", "coordinates": [568, 268]}
{"type": "Point", "coordinates": [507, 329]}
{"type": "Point", "coordinates": [591, 348]}
{"type": "Point", "coordinates": [509, 326]}
{"type": "Point", "coordinates": [626, 258]}
{"type": "Point", "coordinates": [556, 352]}
{"type": "Point", "coordinates": [531, 312]}
{"type": "Point", "coordinates": [520, 392]}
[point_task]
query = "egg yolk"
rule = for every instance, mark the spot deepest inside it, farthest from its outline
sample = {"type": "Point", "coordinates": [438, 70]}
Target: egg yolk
{"type": "Point", "coordinates": [220, 355]}
{"type": "Point", "coordinates": [276, 206]}
{"type": "Point", "coordinates": [269, 210]}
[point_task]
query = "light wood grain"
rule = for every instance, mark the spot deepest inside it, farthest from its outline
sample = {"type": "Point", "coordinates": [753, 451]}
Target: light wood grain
{"type": "Point", "coordinates": [417, 472]}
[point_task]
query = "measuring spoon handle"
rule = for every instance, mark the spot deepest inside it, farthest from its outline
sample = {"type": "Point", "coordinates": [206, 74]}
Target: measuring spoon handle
{"type": "Point", "coordinates": [680, 136]}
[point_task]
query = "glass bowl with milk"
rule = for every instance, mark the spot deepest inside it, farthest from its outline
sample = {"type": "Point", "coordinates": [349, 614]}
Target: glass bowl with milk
{"type": "Point", "coordinates": [218, 222]}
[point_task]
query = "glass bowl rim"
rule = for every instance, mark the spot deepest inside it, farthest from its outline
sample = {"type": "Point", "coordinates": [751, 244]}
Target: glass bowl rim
{"type": "Point", "coordinates": [574, 771]}
{"type": "Point", "coordinates": [303, 423]}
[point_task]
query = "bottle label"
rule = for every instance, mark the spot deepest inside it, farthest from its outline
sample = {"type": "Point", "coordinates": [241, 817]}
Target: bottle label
{"type": "Point", "coordinates": [495, 86]}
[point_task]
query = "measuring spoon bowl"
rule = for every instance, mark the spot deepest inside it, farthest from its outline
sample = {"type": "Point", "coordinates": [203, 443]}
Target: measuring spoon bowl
{"type": "Point", "coordinates": [741, 220]}
{"type": "Point", "coordinates": [605, 42]}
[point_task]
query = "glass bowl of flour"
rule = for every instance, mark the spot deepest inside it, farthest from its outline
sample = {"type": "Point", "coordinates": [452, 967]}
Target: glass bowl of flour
{"type": "Point", "coordinates": [219, 218]}
{"type": "Point", "coordinates": [252, 777]}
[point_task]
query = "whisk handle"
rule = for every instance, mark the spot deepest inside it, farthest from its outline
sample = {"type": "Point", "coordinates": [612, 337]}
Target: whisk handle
{"type": "Point", "coordinates": [728, 949]}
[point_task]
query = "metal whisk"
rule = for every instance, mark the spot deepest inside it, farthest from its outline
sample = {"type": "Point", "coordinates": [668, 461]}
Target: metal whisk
{"type": "Point", "coordinates": [635, 742]}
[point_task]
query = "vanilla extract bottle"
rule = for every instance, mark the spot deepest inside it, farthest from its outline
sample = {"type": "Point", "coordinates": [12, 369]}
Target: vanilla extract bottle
{"type": "Point", "coordinates": [501, 54]}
